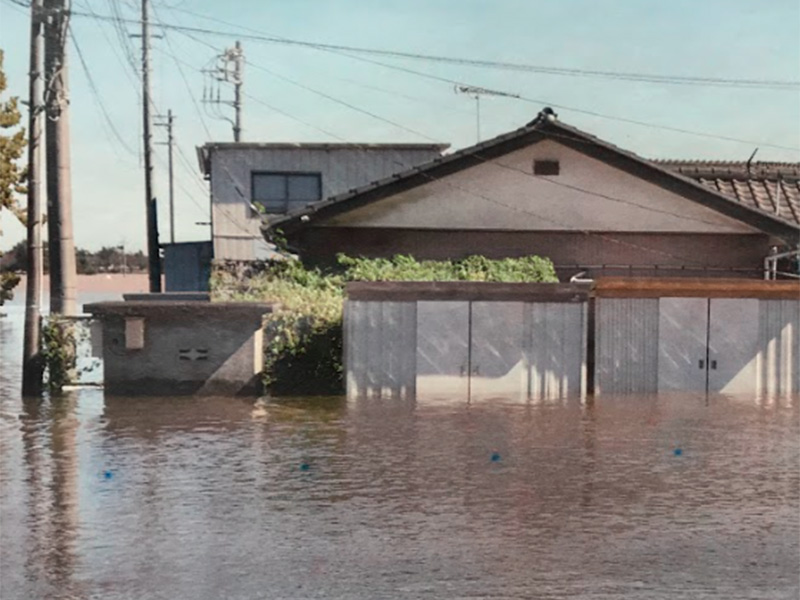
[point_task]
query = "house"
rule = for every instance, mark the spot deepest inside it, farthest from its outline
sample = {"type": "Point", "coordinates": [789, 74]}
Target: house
{"type": "Point", "coordinates": [248, 179]}
{"type": "Point", "coordinates": [551, 189]}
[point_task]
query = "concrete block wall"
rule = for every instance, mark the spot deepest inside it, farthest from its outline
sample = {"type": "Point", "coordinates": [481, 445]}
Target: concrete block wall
{"type": "Point", "coordinates": [162, 348]}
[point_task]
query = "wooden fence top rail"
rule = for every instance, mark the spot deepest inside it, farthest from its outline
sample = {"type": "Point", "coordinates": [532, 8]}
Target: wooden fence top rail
{"type": "Point", "coordinates": [632, 287]}
{"type": "Point", "coordinates": [410, 291]}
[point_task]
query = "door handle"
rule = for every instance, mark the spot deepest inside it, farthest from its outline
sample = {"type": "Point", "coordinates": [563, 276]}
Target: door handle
{"type": "Point", "coordinates": [701, 364]}
{"type": "Point", "coordinates": [714, 365]}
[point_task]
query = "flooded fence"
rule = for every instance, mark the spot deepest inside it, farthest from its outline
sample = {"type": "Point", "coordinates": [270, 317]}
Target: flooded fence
{"type": "Point", "coordinates": [714, 336]}
{"type": "Point", "coordinates": [465, 340]}
{"type": "Point", "coordinates": [478, 341]}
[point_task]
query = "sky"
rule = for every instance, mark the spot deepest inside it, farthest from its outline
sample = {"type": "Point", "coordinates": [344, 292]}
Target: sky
{"type": "Point", "coordinates": [295, 93]}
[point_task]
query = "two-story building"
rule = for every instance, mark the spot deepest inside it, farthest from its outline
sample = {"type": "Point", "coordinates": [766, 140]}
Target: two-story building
{"type": "Point", "coordinates": [249, 181]}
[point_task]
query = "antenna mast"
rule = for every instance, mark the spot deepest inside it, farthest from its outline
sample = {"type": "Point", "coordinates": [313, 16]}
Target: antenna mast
{"type": "Point", "coordinates": [476, 93]}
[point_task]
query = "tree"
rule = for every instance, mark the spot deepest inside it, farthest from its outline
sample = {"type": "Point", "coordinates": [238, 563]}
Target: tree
{"type": "Point", "coordinates": [12, 175]}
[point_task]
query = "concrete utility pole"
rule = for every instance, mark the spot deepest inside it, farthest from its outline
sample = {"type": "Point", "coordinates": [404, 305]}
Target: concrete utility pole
{"type": "Point", "coordinates": [153, 247]}
{"type": "Point", "coordinates": [61, 247]}
{"type": "Point", "coordinates": [170, 148]}
{"type": "Point", "coordinates": [238, 62]}
{"type": "Point", "coordinates": [229, 69]}
{"type": "Point", "coordinates": [32, 364]}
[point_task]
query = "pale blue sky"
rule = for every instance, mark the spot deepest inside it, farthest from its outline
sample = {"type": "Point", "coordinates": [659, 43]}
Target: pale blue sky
{"type": "Point", "coordinates": [715, 38]}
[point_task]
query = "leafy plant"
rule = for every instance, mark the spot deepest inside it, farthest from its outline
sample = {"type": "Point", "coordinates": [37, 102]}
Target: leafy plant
{"type": "Point", "coordinates": [13, 176]}
{"type": "Point", "coordinates": [59, 351]}
{"type": "Point", "coordinates": [303, 337]}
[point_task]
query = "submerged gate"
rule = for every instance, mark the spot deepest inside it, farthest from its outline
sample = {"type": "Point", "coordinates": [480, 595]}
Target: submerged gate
{"type": "Point", "coordinates": [713, 336]}
{"type": "Point", "coordinates": [466, 341]}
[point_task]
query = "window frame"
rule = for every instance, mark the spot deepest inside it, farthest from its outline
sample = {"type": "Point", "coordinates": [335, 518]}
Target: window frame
{"type": "Point", "coordinates": [286, 175]}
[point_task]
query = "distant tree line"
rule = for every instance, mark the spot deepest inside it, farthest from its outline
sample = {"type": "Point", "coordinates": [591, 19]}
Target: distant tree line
{"type": "Point", "coordinates": [109, 259]}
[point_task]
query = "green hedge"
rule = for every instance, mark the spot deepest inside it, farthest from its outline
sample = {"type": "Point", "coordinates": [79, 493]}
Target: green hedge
{"type": "Point", "coordinates": [303, 348]}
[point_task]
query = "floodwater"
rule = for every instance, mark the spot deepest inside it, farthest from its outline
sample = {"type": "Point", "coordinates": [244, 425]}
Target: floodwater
{"type": "Point", "coordinates": [672, 497]}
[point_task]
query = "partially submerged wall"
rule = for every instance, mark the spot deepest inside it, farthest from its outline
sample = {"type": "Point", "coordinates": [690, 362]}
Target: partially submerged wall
{"type": "Point", "coordinates": [172, 348]}
{"type": "Point", "coordinates": [465, 341]}
{"type": "Point", "coordinates": [693, 335]}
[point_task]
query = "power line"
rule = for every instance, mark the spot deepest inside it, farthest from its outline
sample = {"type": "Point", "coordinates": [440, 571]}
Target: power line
{"type": "Point", "coordinates": [323, 94]}
{"type": "Point", "coordinates": [542, 69]}
{"type": "Point", "coordinates": [592, 113]}
{"type": "Point", "coordinates": [778, 84]}
{"type": "Point", "coordinates": [338, 50]}
{"type": "Point", "coordinates": [124, 63]}
{"type": "Point", "coordinates": [96, 95]}
{"type": "Point", "coordinates": [499, 164]}
{"type": "Point", "coordinates": [185, 80]}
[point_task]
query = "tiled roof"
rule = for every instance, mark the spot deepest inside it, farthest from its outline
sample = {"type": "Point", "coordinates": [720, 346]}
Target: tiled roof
{"type": "Point", "coordinates": [772, 187]}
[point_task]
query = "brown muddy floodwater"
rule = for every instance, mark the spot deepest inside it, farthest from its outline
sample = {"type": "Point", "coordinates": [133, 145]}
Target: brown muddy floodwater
{"type": "Point", "coordinates": [114, 498]}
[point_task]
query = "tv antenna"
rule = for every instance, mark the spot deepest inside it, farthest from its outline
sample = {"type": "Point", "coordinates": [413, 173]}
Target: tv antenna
{"type": "Point", "coordinates": [476, 93]}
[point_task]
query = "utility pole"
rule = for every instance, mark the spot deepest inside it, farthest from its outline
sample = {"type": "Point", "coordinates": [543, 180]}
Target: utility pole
{"type": "Point", "coordinates": [229, 68]}
{"type": "Point", "coordinates": [61, 246]}
{"type": "Point", "coordinates": [237, 90]}
{"type": "Point", "coordinates": [476, 93]}
{"type": "Point", "coordinates": [153, 247]}
{"type": "Point", "coordinates": [170, 147]}
{"type": "Point", "coordinates": [32, 364]}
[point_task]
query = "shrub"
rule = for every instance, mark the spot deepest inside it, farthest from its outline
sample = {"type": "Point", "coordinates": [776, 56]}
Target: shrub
{"type": "Point", "coordinates": [303, 347]}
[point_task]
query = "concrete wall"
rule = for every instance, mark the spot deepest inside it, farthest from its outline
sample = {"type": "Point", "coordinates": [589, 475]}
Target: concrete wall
{"type": "Point", "coordinates": [235, 228]}
{"type": "Point", "coordinates": [173, 348]}
{"type": "Point", "coordinates": [632, 254]}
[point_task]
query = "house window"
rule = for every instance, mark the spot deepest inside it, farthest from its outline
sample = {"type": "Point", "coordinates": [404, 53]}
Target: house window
{"type": "Point", "coordinates": [546, 167]}
{"type": "Point", "coordinates": [282, 192]}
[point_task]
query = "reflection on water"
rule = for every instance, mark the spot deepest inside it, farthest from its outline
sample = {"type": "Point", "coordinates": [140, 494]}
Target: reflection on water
{"type": "Point", "coordinates": [227, 498]}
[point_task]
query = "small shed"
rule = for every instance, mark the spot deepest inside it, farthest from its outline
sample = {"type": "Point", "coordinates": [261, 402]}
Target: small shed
{"type": "Point", "coordinates": [695, 335]}
{"type": "Point", "coordinates": [465, 341]}
{"type": "Point", "coordinates": [170, 347]}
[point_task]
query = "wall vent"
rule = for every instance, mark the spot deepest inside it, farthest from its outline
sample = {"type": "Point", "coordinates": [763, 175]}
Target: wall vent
{"type": "Point", "coordinates": [546, 167]}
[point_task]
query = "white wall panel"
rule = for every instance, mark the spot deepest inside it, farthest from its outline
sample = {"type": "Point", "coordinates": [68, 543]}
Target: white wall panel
{"type": "Point", "coordinates": [779, 347]}
{"type": "Point", "coordinates": [497, 358]}
{"type": "Point", "coordinates": [733, 345]}
{"type": "Point", "coordinates": [443, 350]}
{"type": "Point", "coordinates": [555, 344]}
